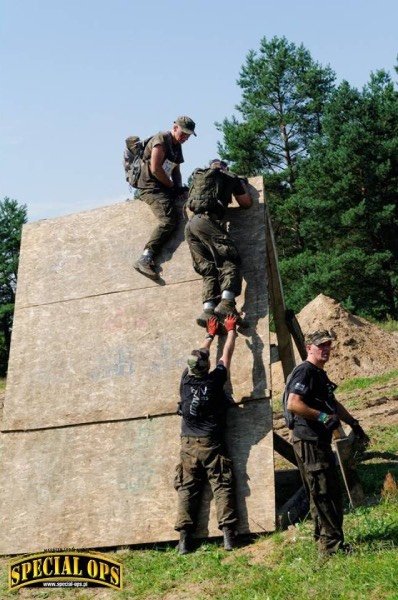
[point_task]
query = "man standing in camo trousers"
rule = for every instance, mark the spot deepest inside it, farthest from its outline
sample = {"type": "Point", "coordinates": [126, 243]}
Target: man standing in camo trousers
{"type": "Point", "coordinates": [203, 456]}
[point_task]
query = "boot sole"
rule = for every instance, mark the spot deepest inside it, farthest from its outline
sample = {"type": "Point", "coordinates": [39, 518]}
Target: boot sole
{"type": "Point", "coordinates": [239, 321]}
{"type": "Point", "coordinates": [153, 276]}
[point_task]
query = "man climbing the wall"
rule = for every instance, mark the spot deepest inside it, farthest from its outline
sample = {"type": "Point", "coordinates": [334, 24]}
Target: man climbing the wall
{"type": "Point", "coordinates": [316, 414]}
{"type": "Point", "coordinates": [161, 185]}
{"type": "Point", "coordinates": [203, 407]}
{"type": "Point", "coordinates": [214, 254]}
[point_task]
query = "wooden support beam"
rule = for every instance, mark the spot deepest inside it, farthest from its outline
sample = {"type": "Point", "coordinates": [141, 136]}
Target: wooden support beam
{"type": "Point", "coordinates": [284, 448]}
{"type": "Point", "coordinates": [285, 345]}
{"type": "Point", "coordinates": [295, 331]}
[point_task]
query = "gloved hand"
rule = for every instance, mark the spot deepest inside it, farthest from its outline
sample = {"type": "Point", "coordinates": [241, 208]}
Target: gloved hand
{"type": "Point", "coordinates": [359, 432]}
{"type": "Point", "coordinates": [212, 326]}
{"type": "Point", "coordinates": [332, 423]}
{"type": "Point", "coordinates": [230, 322]}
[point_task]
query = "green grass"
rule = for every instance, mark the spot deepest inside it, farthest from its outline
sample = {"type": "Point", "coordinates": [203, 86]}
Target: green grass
{"type": "Point", "coordinates": [383, 457]}
{"type": "Point", "coordinates": [363, 383]}
{"type": "Point", "coordinates": [2, 383]}
{"type": "Point", "coordinates": [277, 567]}
{"type": "Point", "coordinates": [390, 325]}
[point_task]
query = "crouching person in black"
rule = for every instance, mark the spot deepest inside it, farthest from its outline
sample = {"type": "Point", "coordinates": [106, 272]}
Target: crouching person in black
{"type": "Point", "coordinates": [316, 414]}
{"type": "Point", "coordinates": [203, 455]}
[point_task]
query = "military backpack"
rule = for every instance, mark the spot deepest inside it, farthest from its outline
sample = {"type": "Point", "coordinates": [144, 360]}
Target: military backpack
{"type": "Point", "coordinates": [289, 416]}
{"type": "Point", "coordinates": [204, 192]}
{"type": "Point", "coordinates": [133, 159]}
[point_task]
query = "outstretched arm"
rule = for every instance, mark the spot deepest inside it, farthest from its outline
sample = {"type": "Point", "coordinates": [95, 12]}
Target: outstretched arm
{"type": "Point", "coordinates": [229, 346]}
{"type": "Point", "coordinates": [212, 328]}
{"type": "Point", "coordinates": [244, 200]}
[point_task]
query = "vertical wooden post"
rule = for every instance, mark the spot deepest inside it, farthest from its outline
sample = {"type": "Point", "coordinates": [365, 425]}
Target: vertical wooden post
{"type": "Point", "coordinates": [285, 345]}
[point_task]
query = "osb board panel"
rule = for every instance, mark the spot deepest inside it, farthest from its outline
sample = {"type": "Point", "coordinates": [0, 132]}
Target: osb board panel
{"type": "Point", "coordinates": [120, 356]}
{"type": "Point", "coordinates": [118, 353]}
{"type": "Point", "coordinates": [92, 252]}
{"type": "Point", "coordinates": [111, 484]}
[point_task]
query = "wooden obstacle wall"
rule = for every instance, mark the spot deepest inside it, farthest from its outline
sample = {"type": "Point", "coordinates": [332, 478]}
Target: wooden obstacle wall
{"type": "Point", "coordinates": [90, 437]}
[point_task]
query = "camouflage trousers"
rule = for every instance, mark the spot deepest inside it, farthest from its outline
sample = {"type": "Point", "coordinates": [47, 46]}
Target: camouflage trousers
{"type": "Point", "coordinates": [203, 459]}
{"type": "Point", "coordinates": [321, 479]}
{"type": "Point", "coordinates": [163, 207]}
{"type": "Point", "coordinates": [214, 255]}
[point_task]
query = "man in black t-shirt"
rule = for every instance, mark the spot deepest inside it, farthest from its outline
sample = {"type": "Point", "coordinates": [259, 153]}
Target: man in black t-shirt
{"type": "Point", "coordinates": [316, 414]}
{"type": "Point", "coordinates": [214, 254]}
{"type": "Point", "coordinates": [203, 456]}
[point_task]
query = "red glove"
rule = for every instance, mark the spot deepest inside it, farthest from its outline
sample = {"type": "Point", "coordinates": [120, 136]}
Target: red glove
{"type": "Point", "coordinates": [230, 322]}
{"type": "Point", "coordinates": [212, 326]}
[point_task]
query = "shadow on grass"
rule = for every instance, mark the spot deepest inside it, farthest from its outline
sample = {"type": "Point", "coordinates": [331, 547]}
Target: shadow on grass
{"type": "Point", "coordinates": [372, 475]}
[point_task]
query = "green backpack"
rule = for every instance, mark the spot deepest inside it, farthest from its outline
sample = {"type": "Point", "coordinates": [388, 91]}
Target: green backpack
{"type": "Point", "coordinates": [204, 192]}
{"type": "Point", "coordinates": [133, 159]}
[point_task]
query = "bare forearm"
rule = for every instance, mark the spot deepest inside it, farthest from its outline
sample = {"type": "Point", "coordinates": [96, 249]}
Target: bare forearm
{"type": "Point", "coordinates": [207, 343]}
{"type": "Point", "coordinates": [162, 177]}
{"type": "Point", "coordinates": [158, 156]}
{"type": "Point", "coordinates": [229, 348]}
{"type": "Point", "coordinates": [300, 408]}
{"type": "Point", "coordinates": [343, 414]}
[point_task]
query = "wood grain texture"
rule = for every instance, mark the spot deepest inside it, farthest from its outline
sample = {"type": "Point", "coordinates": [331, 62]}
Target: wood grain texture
{"type": "Point", "coordinates": [111, 484]}
{"type": "Point", "coordinates": [97, 349]}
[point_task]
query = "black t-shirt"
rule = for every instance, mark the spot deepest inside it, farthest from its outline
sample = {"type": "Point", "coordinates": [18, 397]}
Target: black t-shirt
{"type": "Point", "coordinates": [317, 391]}
{"type": "Point", "coordinates": [204, 403]}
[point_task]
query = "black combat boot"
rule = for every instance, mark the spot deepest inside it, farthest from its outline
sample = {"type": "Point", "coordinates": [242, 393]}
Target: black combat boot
{"type": "Point", "coordinates": [146, 266]}
{"type": "Point", "coordinates": [184, 545]}
{"type": "Point", "coordinates": [229, 538]}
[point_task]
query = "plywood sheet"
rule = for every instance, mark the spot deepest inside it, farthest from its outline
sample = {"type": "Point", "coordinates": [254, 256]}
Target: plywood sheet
{"type": "Point", "coordinates": [92, 253]}
{"type": "Point", "coordinates": [118, 356]}
{"type": "Point", "coordinates": [111, 484]}
{"type": "Point", "coordinates": [96, 350]}
{"type": "Point", "coordinates": [118, 352]}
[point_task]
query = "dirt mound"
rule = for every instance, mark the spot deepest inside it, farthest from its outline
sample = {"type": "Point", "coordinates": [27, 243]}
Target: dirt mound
{"type": "Point", "coordinates": [360, 350]}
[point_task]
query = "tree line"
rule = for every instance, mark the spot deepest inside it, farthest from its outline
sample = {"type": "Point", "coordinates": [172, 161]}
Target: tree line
{"type": "Point", "coordinates": [12, 217]}
{"type": "Point", "coordinates": [329, 157]}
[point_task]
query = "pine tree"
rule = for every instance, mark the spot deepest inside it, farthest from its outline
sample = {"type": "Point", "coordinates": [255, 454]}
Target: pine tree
{"type": "Point", "coordinates": [12, 217]}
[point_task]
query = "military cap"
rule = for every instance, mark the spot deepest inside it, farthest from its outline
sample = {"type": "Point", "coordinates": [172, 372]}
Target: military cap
{"type": "Point", "coordinates": [198, 362]}
{"type": "Point", "coordinates": [186, 124]}
{"type": "Point", "coordinates": [320, 336]}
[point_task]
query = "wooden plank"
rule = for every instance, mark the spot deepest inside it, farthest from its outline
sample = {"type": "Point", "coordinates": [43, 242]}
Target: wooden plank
{"type": "Point", "coordinates": [346, 459]}
{"type": "Point", "coordinates": [295, 331]}
{"type": "Point", "coordinates": [95, 341]}
{"type": "Point", "coordinates": [284, 448]}
{"type": "Point", "coordinates": [111, 484]}
{"type": "Point", "coordinates": [118, 356]}
{"type": "Point", "coordinates": [278, 307]}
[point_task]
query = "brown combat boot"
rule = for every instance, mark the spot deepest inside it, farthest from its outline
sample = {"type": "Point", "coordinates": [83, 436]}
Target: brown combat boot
{"type": "Point", "coordinates": [226, 307]}
{"type": "Point", "coordinates": [205, 316]}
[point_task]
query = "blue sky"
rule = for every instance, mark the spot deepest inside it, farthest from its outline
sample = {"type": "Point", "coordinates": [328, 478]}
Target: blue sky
{"type": "Point", "coordinates": [78, 77]}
